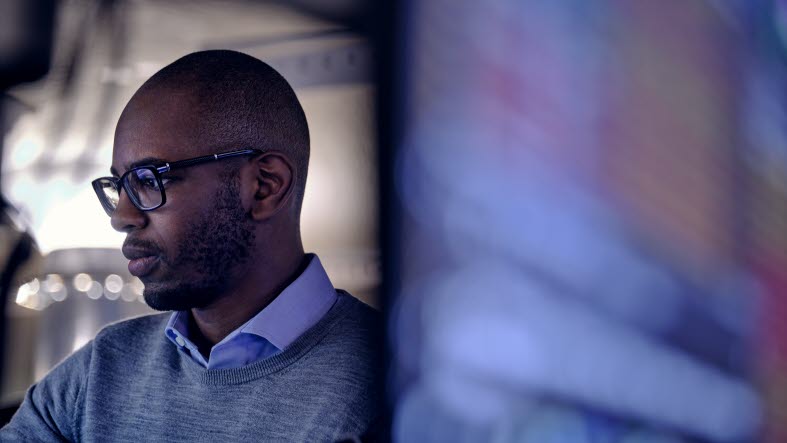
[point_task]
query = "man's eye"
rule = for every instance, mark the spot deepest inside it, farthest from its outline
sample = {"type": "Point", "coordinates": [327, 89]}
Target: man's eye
{"type": "Point", "coordinates": [150, 183]}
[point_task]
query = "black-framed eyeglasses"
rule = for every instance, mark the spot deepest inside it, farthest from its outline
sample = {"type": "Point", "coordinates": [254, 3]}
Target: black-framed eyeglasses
{"type": "Point", "coordinates": [144, 184]}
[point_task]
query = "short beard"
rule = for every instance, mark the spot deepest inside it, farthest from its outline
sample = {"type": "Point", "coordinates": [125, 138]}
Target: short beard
{"type": "Point", "coordinates": [212, 248]}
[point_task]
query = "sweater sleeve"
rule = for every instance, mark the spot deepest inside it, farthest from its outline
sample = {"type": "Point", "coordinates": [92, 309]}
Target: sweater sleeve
{"type": "Point", "coordinates": [51, 408]}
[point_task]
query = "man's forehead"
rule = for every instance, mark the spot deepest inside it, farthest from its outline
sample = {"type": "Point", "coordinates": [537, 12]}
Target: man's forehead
{"type": "Point", "coordinates": [125, 157]}
{"type": "Point", "coordinates": [158, 128]}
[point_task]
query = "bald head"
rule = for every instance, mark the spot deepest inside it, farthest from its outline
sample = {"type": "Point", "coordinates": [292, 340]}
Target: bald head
{"type": "Point", "coordinates": [226, 229]}
{"type": "Point", "coordinates": [233, 101]}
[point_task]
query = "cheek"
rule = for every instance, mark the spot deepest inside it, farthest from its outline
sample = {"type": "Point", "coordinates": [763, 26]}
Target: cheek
{"type": "Point", "coordinates": [178, 228]}
{"type": "Point", "coordinates": [168, 232]}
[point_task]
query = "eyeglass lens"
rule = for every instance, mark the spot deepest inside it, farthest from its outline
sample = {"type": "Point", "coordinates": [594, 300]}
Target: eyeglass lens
{"type": "Point", "coordinates": [144, 188]}
{"type": "Point", "coordinates": [110, 194]}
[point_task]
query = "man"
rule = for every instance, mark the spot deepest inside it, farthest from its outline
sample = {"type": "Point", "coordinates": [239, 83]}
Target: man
{"type": "Point", "coordinates": [208, 175]}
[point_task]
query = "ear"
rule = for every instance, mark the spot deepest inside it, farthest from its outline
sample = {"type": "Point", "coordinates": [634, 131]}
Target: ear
{"type": "Point", "coordinates": [274, 180]}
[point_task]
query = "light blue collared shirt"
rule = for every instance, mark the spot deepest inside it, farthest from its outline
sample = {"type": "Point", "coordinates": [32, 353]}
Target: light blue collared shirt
{"type": "Point", "coordinates": [297, 308]}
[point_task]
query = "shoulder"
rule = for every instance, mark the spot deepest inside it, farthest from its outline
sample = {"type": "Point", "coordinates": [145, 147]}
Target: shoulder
{"type": "Point", "coordinates": [357, 318]}
{"type": "Point", "coordinates": [354, 335]}
{"type": "Point", "coordinates": [135, 333]}
{"type": "Point", "coordinates": [347, 363]}
{"type": "Point", "coordinates": [358, 310]}
{"type": "Point", "coordinates": [52, 407]}
{"type": "Point", "coordinates": [136, 325]}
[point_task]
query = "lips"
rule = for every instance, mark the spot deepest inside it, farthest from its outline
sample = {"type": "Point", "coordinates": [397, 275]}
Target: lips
{"type": "Point", "coordinates": [142, 259]}
{"type": "Point", "coordinates": [140, 267]}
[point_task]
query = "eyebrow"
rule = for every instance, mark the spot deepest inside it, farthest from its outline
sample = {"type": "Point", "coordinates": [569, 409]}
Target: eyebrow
{"type": "Point", "coordinates": [147, 161]}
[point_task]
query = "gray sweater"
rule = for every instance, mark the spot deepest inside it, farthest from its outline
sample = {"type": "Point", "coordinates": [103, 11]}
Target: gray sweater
{"type": "Point", "coordinates": [130, 384]}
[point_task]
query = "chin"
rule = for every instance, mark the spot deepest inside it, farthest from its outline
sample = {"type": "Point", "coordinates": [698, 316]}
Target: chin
{"type": "Point", "coordinates": [177, 298]}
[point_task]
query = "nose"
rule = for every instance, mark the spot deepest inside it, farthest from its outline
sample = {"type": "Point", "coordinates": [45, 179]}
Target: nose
{"type": "Point", "coordinates": [127, 217]}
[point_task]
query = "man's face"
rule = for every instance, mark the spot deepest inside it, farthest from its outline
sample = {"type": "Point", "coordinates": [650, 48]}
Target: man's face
{"type": "Point", "coordinates": [189, 251]}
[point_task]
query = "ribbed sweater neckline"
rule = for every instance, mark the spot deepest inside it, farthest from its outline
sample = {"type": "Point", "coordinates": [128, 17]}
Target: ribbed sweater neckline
{"type": "Point", "coordinates": [273, 364]}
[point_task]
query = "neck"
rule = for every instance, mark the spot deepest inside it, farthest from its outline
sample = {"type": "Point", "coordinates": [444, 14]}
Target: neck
{"type": "Point", "coordinates": [257, 288]}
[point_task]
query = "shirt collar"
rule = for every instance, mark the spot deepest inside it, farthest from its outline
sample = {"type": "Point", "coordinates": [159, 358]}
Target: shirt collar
{"type": "Point", "coordinates": [296, 309]}
{"type": "Point", "coordinates": [299, 307]}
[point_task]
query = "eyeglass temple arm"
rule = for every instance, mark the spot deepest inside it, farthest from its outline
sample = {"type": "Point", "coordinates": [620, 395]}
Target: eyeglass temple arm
{"type": "Point", "coordinates": [205, 158]}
